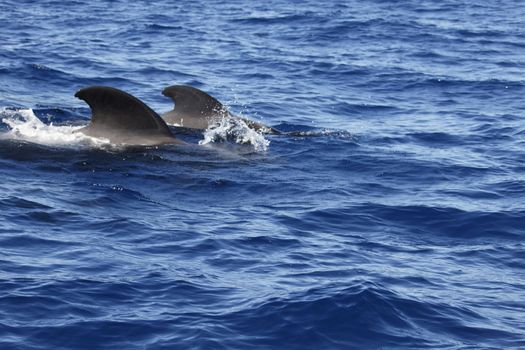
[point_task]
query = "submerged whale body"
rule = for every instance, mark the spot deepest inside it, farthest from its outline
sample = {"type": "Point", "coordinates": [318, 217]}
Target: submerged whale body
{"type": "Point", "coordinates": [124, 119]}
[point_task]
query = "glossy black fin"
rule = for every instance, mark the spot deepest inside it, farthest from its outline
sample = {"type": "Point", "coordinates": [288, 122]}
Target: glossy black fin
{"type": "Point", "coordinates": [193, 108]}
{"type": "Point", "coordinates": [118, 115]}
{"type": "Point", "coordinates": [196, 109]}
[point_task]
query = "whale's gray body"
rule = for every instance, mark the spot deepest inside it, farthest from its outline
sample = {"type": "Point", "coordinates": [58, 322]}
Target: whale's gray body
{"type": "Point", "coordinates": [124, 119]}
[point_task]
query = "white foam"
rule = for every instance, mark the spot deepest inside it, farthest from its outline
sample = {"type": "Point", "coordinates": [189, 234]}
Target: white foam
{"type": "Point", "coordinates": [24, 125]}
{"type": "Point", "coordinates": [236, 130]}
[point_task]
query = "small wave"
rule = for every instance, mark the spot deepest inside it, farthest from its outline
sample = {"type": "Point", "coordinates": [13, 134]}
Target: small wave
{"type": "Point", "coordinates": [156, 26]}
{"type": "Point", "coordinates": [236, 130]}
{"type": "Point", "coordinates": [266, 18]}
{"type": "Point", "coordinates": [24, 125]}
{"type": "Point", "coordinates": [338, 134]}
{"type": "Point", "coordinates": [299, 130]}
{"type": "Point", "coordinates": [364, 315]}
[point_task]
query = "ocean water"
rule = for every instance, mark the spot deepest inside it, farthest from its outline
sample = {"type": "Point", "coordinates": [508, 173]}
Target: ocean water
{"type": "Point", "coordinates": [392, 218]}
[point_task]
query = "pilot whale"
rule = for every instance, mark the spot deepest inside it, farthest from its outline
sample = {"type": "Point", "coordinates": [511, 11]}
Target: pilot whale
{"type": "Point", "coordinates": [196, 109]}
{"type": "Point", "coordinates": [124, 119]}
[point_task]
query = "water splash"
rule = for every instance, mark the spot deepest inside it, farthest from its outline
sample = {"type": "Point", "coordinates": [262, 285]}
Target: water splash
{"type": "Point", "coordinates": [236, 130]}
{"type": "Point", "coordinates": [24, 125]}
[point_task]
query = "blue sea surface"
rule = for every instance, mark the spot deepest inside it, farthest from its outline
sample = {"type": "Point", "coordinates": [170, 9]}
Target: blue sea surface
{"type": "Point", "coordinates": [393, 217]}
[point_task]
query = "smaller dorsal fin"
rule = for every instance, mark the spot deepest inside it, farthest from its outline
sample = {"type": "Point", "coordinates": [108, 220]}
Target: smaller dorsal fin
{"type": "Point", "coordinates": [193, 108]}
{"type": "Point", "coordinates": [197, 110]}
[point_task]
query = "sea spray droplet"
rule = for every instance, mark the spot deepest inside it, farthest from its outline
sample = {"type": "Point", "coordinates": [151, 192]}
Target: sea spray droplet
{"type": "Point", "coordinates": [236, 130]}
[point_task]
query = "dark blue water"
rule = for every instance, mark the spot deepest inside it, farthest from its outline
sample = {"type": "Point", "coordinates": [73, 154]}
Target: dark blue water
{"type": "Point", "coordinates": [396, 221]}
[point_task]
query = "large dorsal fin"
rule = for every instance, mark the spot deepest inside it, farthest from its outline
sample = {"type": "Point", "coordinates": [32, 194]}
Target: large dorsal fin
{"type": "Point", "coordinates": [193, 108]}
{"type": "Point", "coordinates": [119, 116]}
